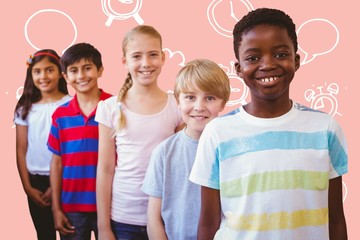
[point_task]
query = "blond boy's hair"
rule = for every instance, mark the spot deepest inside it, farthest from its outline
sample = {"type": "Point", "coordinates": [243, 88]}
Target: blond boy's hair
{"type": "Point", "coordinates": [205, 75]}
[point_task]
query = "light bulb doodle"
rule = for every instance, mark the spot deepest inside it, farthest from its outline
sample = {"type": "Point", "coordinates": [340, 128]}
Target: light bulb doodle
{"type": "Point", "coordinates": [109, 11]}
{"type": "Point", "coordinates": [318, 101]}
{"type": "Point", "coordinates": [311, 56]}
{"type": "Point", "coordinates": [215, 23]}
{"type": "Point", "coordinates": [45, 11]}
{"type": "Point", "coordinates": [239, 90]}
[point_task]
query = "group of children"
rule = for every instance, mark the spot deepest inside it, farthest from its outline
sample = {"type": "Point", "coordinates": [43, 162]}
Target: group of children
{"type": "Point", "coordinates": [147, 164]}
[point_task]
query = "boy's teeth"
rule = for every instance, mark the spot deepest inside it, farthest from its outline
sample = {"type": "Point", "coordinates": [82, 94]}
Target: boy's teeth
{"type": "Point", "coordinates": [269, 79]}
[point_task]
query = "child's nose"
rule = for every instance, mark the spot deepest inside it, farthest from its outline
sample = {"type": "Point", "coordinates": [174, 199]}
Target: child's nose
{"type": "Point", "coordinates": [199, 105]}
{"type": "Point", "coordinates": [267, 62]}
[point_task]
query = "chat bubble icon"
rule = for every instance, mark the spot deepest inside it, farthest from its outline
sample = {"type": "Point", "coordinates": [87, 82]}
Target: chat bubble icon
{"type": "Point", "coordinates": [51, 20]}
{"type": "Point", "coordinates": [317, 37]}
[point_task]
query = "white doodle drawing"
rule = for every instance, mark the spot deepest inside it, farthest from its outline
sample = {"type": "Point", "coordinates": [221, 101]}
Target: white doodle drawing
{"type": "Point", "coordinates": [318, 101]}
{"type": "Point", "coordinates": [19, 92]}
{"type": "Point", "coordinates": [172, 54]}
{"type": "Point", "coordinates": [215, 23]}
{"type": "Point", "coordinates": [115, 15]}
{"type": "Point", "coordinates": [311, 56]}
{"type": "Point", "coordinates": [345, 191]}
{"type": "Point", "coordinates": [241, 91]}
{"type": "Point", "coordinates": [44, 11]}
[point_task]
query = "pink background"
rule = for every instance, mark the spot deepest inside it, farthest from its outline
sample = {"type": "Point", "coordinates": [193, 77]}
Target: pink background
{"type": "Point", "coordinates": [327, 32]}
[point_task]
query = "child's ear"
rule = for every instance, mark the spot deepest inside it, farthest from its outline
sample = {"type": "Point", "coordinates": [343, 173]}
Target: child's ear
{"type": "Point", "coordinates": [100, 71]}
{"type": "Point", "coordinates": [163, 57]}
{"type": "Point", "coordinates": [123, 60]}
{"type": "Point", "coordinates": [297, 61]}
{"type": "Point", "coordinates": [238, 69]}
{"type": "Point", "coordinates": [65, 76]}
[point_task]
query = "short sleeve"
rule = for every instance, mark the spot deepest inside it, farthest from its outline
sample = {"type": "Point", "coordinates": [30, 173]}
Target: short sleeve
{"type": "Point", "coordinates": [107, 112]}
{"type": "Point", "coordinates": [206, 168]}
{"type": "Point", "coordinates": [337, 150]}
{"type": "Point", "coordinates": [54, 136]}
{"type": "Point", "coordinates": [154, 178]}
{"type": "Point", "coordinates": [18, 119]}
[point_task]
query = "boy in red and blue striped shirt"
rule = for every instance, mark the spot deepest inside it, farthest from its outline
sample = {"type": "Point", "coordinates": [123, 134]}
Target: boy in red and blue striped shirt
{"type": "Point", "coordinates": [73, 140]}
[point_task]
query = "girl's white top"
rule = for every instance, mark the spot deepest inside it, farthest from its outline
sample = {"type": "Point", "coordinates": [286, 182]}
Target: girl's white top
{"type": "Point", "coordinates": [134, 145]}
{"type": "Point", "coordinates": [38, 121]}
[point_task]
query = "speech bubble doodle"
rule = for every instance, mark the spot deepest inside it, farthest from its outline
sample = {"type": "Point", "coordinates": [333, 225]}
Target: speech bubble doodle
{"type": "Point", "coordinates": [311, 55]}
{"type": "Point", "coordinates": [345, 191]}
{"type": "Point", "coordinates": [49, 11]}
{"type": "Point", "coordinates": [112, 14]}
{"type": "Point", "coordinates": [215, 23]}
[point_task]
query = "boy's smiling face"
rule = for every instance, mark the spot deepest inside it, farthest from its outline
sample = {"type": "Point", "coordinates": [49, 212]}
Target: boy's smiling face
{"type": "Point", "coordinates": [267, 62]}
{"type": "Point", "coordinates": [83, 75]}
{"type": "Point", "coordinates": [197, 109]}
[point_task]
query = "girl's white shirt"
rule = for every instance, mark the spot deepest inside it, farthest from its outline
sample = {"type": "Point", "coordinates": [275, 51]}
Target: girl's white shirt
{"type": "Point", "coordinates": [38, 121]}
{"type": "Point", "coordinates": [134, 145]}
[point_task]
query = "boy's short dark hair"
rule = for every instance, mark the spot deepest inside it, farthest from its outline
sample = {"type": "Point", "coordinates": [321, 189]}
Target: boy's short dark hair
{"type": "Point", "coordinates": [263, 16]}
{"type": "Point", "coordinates": [80, 51]}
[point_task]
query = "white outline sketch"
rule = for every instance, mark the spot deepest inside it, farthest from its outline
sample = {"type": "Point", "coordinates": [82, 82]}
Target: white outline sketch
{"type": "Point", "coordinates": [212, 19]}
{"type": "Point", "coordinates": [305, 61]}
{"type": "Point", "coordinates": [113, 15]}
{"type": "Point", "coordinates": [345, 192]}
{"type": "Point", "coordinates": [172, 54]}
{"type": "Point", "coordinates": [317, 100]}
{"type": "Point", "coordinates": [49, 10]}
{"type": "Point", "coordinates": [232, 75]}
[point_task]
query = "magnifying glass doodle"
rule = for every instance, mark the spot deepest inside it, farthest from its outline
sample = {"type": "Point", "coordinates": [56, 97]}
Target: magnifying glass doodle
{"type": "Point", "coordinates": [107, 8]}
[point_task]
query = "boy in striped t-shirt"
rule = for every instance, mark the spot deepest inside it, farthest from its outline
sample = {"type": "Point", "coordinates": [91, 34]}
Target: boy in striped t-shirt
{"type": "Point", "coordinates": [272, 169]}
{"type": "Point", "coordinates": [73, 140]}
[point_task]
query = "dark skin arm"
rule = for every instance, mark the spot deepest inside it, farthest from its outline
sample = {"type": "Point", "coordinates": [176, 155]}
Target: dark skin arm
{"type": "Point", "coordinates": [337, 223]}
{"type": "Point", "coordinates": [210, 214]}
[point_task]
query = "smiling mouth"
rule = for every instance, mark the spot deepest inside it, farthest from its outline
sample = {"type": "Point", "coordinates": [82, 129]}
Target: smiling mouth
{"type": "Point", "coordinates": [269, 79]}
{"type": "Point", "coordinates": [146, 72]}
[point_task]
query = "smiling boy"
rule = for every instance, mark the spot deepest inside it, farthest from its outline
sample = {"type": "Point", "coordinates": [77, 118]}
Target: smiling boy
{"type": "Point", "coordinates": [73, 140]}
{"type": "Point", "coordinates": [271, 170]}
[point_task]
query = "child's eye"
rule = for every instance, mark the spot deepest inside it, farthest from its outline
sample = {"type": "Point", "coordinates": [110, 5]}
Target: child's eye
{"type": "Point", "coordinates": [210, 98]}
{"type": "Point", "coordinates": [36, 72]}
{"type": "Point", "coordinates": [252, 58]}
{"type": "Point", "coordinates": [281, 55]}
{"type": "Point", "coordinates": [189, 97]}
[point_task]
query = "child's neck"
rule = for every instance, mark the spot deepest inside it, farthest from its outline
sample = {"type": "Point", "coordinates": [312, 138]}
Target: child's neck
{"type": "Point", "coordinates": [88, 102]}
{"type": "Point", "coordinates": [51, 97]}
{"type": "Point", "coordinates": [268, 109]}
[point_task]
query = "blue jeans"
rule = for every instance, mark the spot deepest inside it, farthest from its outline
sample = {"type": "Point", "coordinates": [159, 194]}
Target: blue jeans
{"type": "Point", "coordinates": [84, 223]}
{"type": "Point", "coordinates": [123, 231]}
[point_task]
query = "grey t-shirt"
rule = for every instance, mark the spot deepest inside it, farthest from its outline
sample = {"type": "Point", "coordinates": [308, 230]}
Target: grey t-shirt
{"type": "Point", "coordinates": [167, 178]}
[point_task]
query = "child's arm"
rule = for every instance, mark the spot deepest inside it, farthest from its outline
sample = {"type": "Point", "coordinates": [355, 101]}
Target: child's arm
{"type": "Point", "coordinates": [210, 214]}
{"type": "Point", "coordinates": [104, 179]}
{"type": "Point", "coordinates": [155, 226]}
{"type": "Point", "coordinates": [337, 223]}
{"type": "Point", "coordinates": [61, 222]}
{"type": "Point", "coordinates": [21, 148]}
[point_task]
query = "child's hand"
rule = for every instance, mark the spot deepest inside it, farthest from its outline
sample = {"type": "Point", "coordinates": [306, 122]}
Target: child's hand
{"type": "Point", "coordinates": [37, 196]}
{"type": "Point", "coordinates": [62, 224]}
{"type": "Point", "coordinates": [47, 196]}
